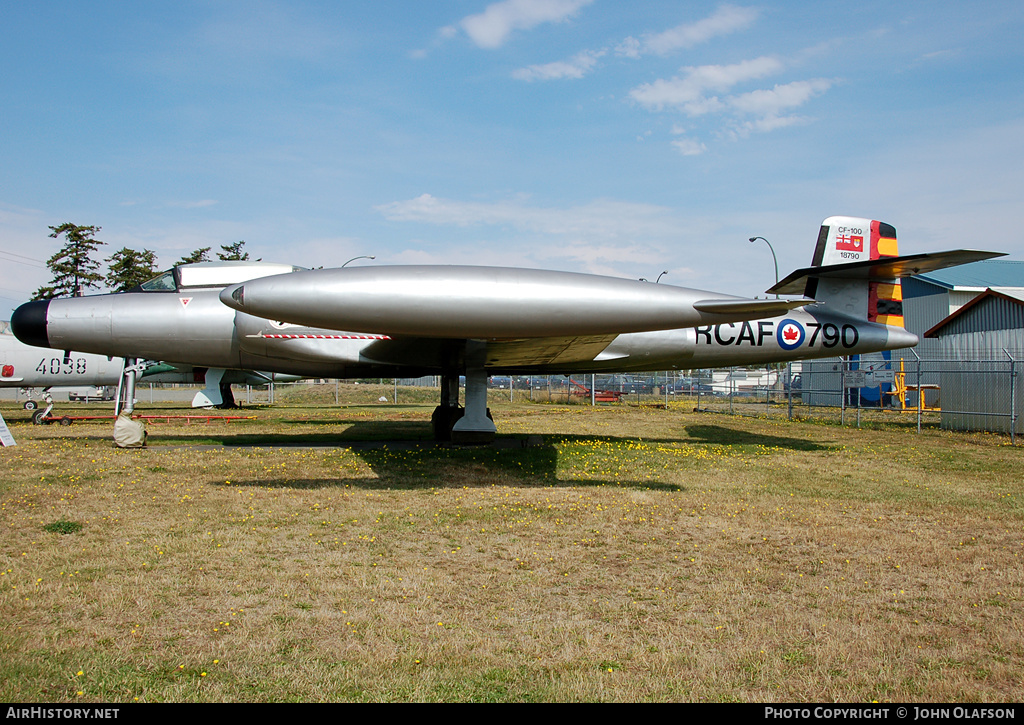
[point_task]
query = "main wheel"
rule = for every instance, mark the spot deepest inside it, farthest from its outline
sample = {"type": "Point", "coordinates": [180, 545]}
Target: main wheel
{"type": "Point", "coordinates": [442, 420]}
{"type": "Point", "coordinates": [30, 405]}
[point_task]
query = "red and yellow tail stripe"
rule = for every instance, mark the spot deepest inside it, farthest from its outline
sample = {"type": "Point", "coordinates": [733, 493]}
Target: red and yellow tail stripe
{"type": "Point", "coordinates": [885, 299]}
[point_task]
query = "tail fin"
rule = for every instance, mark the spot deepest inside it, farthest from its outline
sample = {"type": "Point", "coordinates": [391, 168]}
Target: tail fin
{"type": "Point", "coordinates": [856, 269]}
{"type": "Point", "coordinates": [843, 240]}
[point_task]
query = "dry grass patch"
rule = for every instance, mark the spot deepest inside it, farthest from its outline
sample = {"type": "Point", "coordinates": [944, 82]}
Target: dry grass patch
{"type": "Point", "coordinates": [625, 554]}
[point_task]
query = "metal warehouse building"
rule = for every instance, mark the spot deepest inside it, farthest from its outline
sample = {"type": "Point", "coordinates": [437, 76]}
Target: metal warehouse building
{"type": "Point", "coordinates": [984, 342]}
{"type": "Point", "coordinates": [928, 299]}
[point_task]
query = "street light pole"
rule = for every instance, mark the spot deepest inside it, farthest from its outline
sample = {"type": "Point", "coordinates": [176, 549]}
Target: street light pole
{"type": "Point", "coordinates": [754, 239]}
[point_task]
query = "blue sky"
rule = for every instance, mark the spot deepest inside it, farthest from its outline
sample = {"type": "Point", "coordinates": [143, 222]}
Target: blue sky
{"type": "Point", "coordinates": [584, 135]}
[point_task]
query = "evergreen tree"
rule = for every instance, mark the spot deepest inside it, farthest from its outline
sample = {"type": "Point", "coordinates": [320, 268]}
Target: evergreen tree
{"type": "Point", "coordinates": [233, 253]}
{"type": "Point", "coordinates": [74, 270]}
{"type": "Point", "coordinates": [200, 255]}
{"type": "Point", "coordinates": [128, 268]}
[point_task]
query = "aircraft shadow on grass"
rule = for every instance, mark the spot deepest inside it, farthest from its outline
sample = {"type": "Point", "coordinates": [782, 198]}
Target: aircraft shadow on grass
{"type": "Point", "coordinates": [720, 435]}
{"type": "Point", "coordinates": [402, 453]}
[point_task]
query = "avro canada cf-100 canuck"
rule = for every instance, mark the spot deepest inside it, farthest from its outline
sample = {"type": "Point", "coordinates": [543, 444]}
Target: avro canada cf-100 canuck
{"type": "Point", "coordinates": [407, 321]}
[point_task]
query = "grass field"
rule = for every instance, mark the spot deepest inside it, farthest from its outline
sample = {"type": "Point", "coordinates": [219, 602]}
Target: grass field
{"type": "Point", "coordinates": [321, 553]}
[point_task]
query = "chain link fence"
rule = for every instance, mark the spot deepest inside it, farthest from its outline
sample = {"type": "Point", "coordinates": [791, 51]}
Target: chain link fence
{"type": "Point", "coordinates": [975, 395]}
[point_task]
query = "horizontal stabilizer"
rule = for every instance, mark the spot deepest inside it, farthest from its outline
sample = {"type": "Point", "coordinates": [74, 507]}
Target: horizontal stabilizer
{"type": "Point", "coordinates": [754, 308]}
{"type": "Point", "coordinates": [882, 269]}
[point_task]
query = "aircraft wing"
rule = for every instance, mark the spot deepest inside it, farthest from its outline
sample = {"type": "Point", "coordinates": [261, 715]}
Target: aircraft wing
{"type": "Point", "coordinates": [501, 353]}
{"type": "Point", "coordinates": [546, 350]}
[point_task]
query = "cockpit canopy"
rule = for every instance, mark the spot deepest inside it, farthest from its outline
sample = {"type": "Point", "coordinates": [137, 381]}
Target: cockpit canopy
{"type": "Point", "coordinates": [212, 274]}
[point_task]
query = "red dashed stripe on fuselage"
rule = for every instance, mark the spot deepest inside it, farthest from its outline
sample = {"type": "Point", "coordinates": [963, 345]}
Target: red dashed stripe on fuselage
{"type": "Point", "coordinates": [327, 337]}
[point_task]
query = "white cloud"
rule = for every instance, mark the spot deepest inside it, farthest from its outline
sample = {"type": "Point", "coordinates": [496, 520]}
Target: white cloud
{"type": "Point", "coordinates": [727, 19]}
{"type": "Point", "coordinates": [768, 123]}
{"type": "Point", "coordinates": [687, 92]}
{"type": "Point", "coordinates": [768, 106]}
{"type": "Point", "coordinates": [594, 236]}
{"type": "Point", "coordinates": [491, 28]}
{"type": "Point", "coordinates": [757, 111]}
{"type": "Point", "coordinates": [602, 218]}
{"type": "Point", "coordinates": [689, 146]}
{"type": "Point", "coordinates": [685, 145]}
{"type": "Point", "coordinates": [629, 48]}
{"type": "Point", "coordinates": [577, 67]}
{"type": "Point", "coordinates": [771, 102]}
{"type": "Point", "coordinates": [603, 236]}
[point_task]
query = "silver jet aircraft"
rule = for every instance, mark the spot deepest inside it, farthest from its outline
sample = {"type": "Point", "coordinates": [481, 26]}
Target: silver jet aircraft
{"type": "Point", "coordinates": [407, 321]}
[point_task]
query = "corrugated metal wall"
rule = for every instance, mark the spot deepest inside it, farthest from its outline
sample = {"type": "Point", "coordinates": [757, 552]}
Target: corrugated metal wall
{"type": "Point", "coordinates": [992, 313]}
{"type": "Point", "coordinates": [821, 382]}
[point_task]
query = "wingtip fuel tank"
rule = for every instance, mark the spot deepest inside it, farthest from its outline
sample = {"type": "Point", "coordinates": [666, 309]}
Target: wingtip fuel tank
{"type": "Point", "coordinates": [461, 302]}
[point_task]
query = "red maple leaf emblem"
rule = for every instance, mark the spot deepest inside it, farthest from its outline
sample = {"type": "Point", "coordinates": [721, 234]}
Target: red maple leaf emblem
{"type": "Point", "coordinates": [790, 334]}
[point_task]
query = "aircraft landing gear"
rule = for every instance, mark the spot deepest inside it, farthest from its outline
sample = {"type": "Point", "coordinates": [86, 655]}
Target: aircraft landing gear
{"type": "Point", "coordinates": [40, 416]}
{"type": "Point", "coordinates": [475, 427]}
{"type": "Point", "coordinates": [472, 425]}
{"type": "Point", "coordinates": [128, 433]}
{"type": "Point", "coordinates": [227, 397]}
{"type": "Point", "coordinates": [445, 415]}
{"type": "Point", "coordinates": [442, 420]}
{"type": "Point", "coordinates": [30, 405]}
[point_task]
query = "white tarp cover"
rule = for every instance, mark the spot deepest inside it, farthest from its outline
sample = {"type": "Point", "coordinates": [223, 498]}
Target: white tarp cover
{"type": "Point", "coordinates": [129, 433]}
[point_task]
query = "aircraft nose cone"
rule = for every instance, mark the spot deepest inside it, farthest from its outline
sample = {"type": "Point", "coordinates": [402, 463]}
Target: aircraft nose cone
{"type": "Point", "coordinates": [29, 323]}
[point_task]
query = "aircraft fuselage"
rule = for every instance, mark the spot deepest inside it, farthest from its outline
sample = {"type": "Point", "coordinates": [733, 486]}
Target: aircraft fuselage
{"type": "Point", "coordinates": [197, 329]}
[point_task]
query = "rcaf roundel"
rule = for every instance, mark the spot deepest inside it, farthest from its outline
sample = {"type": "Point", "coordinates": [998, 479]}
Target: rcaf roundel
{"type": "Point", "coordinates": [790, 334]}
